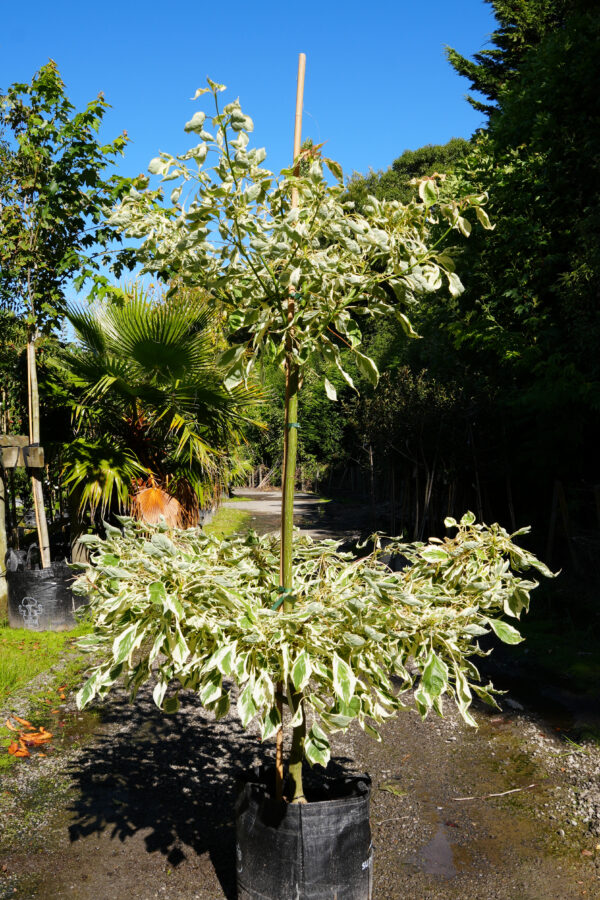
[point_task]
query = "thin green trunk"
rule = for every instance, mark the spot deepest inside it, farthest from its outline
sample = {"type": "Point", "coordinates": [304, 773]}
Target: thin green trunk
{"type": "Point", "coordinates": [290, 450]}
{"type": "Point", "coordinates": [296, 757]}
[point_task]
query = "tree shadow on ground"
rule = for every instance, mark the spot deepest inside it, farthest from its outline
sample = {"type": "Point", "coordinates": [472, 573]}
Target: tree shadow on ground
{"type": "Point", "coordinates": [173, 776]}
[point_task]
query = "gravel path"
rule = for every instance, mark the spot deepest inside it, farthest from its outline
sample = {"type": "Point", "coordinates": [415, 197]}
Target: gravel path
{"type": "Point", "coordinates": [135, 804]}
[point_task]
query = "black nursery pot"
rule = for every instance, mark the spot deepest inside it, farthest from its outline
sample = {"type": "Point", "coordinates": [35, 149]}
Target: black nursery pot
{"type": "Point", "coordinates": [41, 599]}
{"type": "Point", "coordinates": [319, 850]}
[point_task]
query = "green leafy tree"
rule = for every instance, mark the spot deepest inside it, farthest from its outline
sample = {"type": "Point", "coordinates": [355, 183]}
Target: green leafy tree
{"type": "Point", "coordinates": [522, 25]}
{"type": "Point", "coordinates": [528, 321]}
{"type": "Point", "coordinates": [53, 190]}
{"type": "Point", "coordinates": [397, 182]}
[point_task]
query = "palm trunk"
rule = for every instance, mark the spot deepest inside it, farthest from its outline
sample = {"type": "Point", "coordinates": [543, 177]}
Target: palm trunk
{"type": "Point", "coordinates": [34, 438]}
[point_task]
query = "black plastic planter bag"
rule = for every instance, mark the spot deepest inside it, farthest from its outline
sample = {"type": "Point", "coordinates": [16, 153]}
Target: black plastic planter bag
{"type": "Point", "coordinates": [41, 599]}
{"type": "Point", "coordinates": [319, 850]}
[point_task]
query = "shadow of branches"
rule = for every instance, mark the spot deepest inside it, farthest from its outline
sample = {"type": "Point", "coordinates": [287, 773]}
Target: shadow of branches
{"type": "Point", "coordinates": [171, 776]}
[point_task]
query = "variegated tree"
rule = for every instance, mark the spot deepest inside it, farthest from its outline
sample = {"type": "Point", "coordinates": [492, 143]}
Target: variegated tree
{"type": "Point", "coordinates": [298, 270]}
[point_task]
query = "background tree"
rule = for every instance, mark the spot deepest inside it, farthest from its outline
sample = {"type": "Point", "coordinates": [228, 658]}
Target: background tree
{"type": "Point", "coordinates": [515, 355]}
{"type": "Point", "coordinates": [522, 25]}
{"type": "Point", "coordinates": [395, 183]}
{"type": "Point", "coordinates": [52, 193]}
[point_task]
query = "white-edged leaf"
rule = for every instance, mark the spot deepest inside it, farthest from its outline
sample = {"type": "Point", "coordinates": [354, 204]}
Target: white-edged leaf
{"type": "Point", "coordinates": [330, 390]}
{"type": "Point", "coordinates": [87, 692]}
{"type": "Point", "coordinates": [504, 631]}
{"type": "Point", "coordinates": [455, 284]}
{"type": "Point", "coordinates": [434, 554]}
{"type": "Point", "coordinates": [196, 122]}
{"type": "Point", "coordinates": [483, 218]}
{"type": "Point", "coordinates": [344, 679]}
{"type": "Point", "coordinates": [271, 723]}
{"type": "Point", "coordinates": [367, 367]}
{"type": "Point", "coordinates": [158, 694]}
{"type": "Point", "coordinates": [246, 705]}
{"type": "Point", "coordinates": [301, 670]}
{"type": "Point", "coordinates": [124, 643]}
{"type": "Point", "coordinates": [435, 676]}
{"type": "Point", "coordinates": [406, 324]}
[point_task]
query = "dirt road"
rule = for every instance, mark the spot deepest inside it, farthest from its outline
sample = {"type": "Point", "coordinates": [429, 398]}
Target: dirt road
{"type": "Point", "coordinates": [137, 805]}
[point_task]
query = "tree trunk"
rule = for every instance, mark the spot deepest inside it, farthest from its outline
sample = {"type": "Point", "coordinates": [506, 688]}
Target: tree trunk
{"type": "Point", "coordinates": [34, 438]}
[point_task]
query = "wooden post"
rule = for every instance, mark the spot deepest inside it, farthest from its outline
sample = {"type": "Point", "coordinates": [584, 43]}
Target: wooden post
{"type": "Point", "coordinates": [13, 503]}
{"type": "Point", "coordinates": [37, 488]}
{"type": "Point", "coordinates": [3, 543]}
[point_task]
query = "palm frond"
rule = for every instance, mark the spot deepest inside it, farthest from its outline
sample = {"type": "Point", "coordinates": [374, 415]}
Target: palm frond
{"type": "Point", "coordinates": [101, 474]}
{"type": "Point", "coordinates": [153, 503]}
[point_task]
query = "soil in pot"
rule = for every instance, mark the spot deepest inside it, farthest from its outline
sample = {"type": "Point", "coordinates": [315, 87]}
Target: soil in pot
{"type": "Point", "coordinates": [320, 850]}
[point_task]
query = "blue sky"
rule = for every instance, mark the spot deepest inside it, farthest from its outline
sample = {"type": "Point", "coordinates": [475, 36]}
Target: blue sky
{"type": "Point", "coordinates": [377, 80]}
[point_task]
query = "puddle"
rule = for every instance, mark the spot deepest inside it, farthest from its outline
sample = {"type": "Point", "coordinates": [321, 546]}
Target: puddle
{"type": "Point", "coordinates": [263, 523]}
{"type": "Point", "coordinates": [437, 857]}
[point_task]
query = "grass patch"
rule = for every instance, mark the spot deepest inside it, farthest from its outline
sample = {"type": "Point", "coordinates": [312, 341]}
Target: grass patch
{"type": "Point", "coordinates": [235, 499]}
{"type": "Point", "coordinates": [228, 521]}
{"type": "Point", "coordinates": [25, 654]}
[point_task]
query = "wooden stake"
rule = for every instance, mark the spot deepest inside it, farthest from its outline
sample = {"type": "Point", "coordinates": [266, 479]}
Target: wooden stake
{"type": "Point", "coordinates": [37, 489]}
{"type": "Point", "coordinates": [3, 543]}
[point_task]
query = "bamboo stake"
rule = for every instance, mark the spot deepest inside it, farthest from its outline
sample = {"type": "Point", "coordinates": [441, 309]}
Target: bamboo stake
{"type": "Point", "coordinates": [290, 446]}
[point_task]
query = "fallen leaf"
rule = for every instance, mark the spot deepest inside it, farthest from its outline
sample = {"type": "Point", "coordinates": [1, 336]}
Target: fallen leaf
{"type": "Point", "coordinates": [392, 789]}
{"type": "Point", "coordinates": [40, 738]}
{"type": "Point", "coordinates": [8, 724]}
{"type": "Point", "coordinates": [22, 722]}
{"type": "Point", "coordinates": [586, 853]}
{"type": "Point", "coordinates": [54, 710]}
{"type": "Point", "coordinates": [18, 749]}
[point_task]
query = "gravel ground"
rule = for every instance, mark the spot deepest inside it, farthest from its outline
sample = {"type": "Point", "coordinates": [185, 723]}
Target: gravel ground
{"type": "Point", "coordinates": [134, 804]}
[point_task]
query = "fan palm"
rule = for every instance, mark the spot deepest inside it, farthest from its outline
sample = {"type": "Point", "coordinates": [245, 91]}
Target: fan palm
{"type": "Point", "coordinates": [157, 424]}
